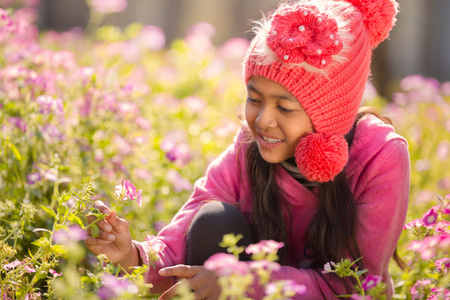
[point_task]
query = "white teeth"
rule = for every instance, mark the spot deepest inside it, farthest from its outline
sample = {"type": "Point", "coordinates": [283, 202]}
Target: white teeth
{"type": "Point", "coordinates": [272, 141]}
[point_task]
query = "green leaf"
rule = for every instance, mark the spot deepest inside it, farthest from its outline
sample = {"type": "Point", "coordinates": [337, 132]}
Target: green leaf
{"type": "Point", "coordinates": [15, 151]}
{"type": "Point", "coordinates": [94, 231]}
{"type": "Point", "coordinates": [49, 210]}
{"type": "Point", "coordinates": [359, 273]}
{"type": "Point", "coordinates": [42, 242]}
{"type": "Point", "coordinates": [76, 220]}
{"type": "Point", "coordinates": [60, 249]}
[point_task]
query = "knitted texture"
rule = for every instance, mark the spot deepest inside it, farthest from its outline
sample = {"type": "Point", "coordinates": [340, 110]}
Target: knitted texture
{"type": "Point", "coordinates": [320, 51]}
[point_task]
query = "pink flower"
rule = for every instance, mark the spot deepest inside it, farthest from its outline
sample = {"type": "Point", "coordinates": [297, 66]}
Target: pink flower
{"type": "Point", "coordinates": [152, 38]}
{"type": "Point", "coordinates": [154, 246]}
{"type": "Point", "coordinates": [442, 263]}
{"type": "Point", "coordinates": [30, 269]}
{"type": "Point", "coordinates": [114, 287]}
{"type": "Point", "coordinates": [18, 123]}
{"type": "Point", "coordinates": [179, 183]}
{"type": "Point", "coordinates": [194, 104]}
{"type": "Point", "coordinates": [417, 289]}
{"type": "Point", "coordinates": [226, 264]}
{"type": "Point", "coordinates": [128, 191]}
{"type": "Point", "coordinates": [72, 234]}
{"type": "Point", "coordinates": [265, 246]}
{"type": "Point", "coordinates": [430, 217]}
{"type": "Point", "coordinates": [12, 264]}
{"type": "Point", "coordinates": [371, 281]}
{"type": "Point", "coordinates": [109, 6]}
{"type": "Point", "coordinates": [416, 223]}
{"type": "Point", "coordinates": [54, 273]}
{"type": "Point", "coordinates": [289, 288]}
{"type": "Point", "coordinates": [430, 246]}
{"type": "Point", "coordinates": [327, 267]}
{"type": "Point", "coordinates": [143, 123]}
{"type": "Point", "coordinates": [264, 264]}
{"type": "Point", "coordinates": [34, 177]}
{"type": "Point", "coordinates": [48, 104]}
{"type": "Point", "coordinates": [304, 35]}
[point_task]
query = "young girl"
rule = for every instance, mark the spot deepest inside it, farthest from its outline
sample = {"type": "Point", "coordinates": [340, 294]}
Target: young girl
{"type": "Point", "coordinates": [307, 170]}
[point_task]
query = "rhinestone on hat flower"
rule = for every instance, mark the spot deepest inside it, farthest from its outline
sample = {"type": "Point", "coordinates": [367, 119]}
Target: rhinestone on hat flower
{"type": "Point", "coordinates": [304, 35]}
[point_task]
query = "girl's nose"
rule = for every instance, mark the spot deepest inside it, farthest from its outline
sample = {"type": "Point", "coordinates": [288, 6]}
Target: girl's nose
{"type": "Point", "coordinates": [266, 119]}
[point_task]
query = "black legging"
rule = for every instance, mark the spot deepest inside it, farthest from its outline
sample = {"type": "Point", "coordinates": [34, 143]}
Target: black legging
{"type": "Point", "coordinates": [210, 224]}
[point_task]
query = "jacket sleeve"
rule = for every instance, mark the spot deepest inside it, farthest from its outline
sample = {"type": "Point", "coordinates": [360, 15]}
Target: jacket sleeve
{"type": "Point", "coordinates": [221, 183]}
{"type": "Point", "coordinates": [382, 191]}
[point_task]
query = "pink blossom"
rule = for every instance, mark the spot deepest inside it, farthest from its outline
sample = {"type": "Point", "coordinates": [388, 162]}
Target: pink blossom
{"type": "Point", "coordinates": [430, 217]}
{"type": "Point", "coordinates": [264, 264]}
{"type": "Point", "coordinates": [30, 269]}
{"type": "Point", "coordinates": [114, 287]}
{"type": "Point", "coordinates": [264, 246]}
{"type": "Point", "coordinates": [179, 182]}
{"type": "Point", "coordinates": [371, 281]}
{"type": "Point", "coordinates": [440, 293]}
{"type": "Point", "coordinates": [416, 223]}
{"type": "Point", "coordinates": [153, 246]}
{"type": "Point", "coordinates": [429, 246]}
{"type": "Point", "coordinates": [128, 191]}
{"type": "Point", "coordinates": [289, 288]}
{"type": "Point", "coordinates": [52, 134]}
{"type": "Point", "coordinates": [226, 128]}
{"type": "Point", "coordinates": [152, 38]}
{"type": "Point", "coordinates": [54, 273]}
{"type": "Point", "coordinates": [109, 6]}
{"type": "Point", "coordinates": [72, 234]}
{"type": "Point", "coordinates": [442, 263]}
{"type": "Point", "coordinates": [194, 104]}
{"type": "Point", "coordinates": [443, 227]}
{"type": "Point", "coordinates": [234, 49]}
{"type": "Point", "coordinates": [12, 264]}
{"type": "Point", "coordinates": [34, 177]}
{"type": "Point", "coordinates": [226, 264]}
{"type": "Point", "coordinates": [126, 108]}
{"type": "Point", "coordinates": [18, 123]}
{"type": "Point", "coordinates": [143, 174]}
{"type": "Point", "coordinates": [327, 267]}
{"type": "Point", "coordinates": [417, 289]}
{"type": "Point", "coordinates": [176, 147]}
{"type": "Point", "coordinates": [143, 122]}
{"type": "Point", "coordinates": [48, 104]}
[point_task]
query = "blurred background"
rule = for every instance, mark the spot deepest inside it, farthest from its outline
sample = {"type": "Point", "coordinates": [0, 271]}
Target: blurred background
{"type": "Point", "coordinates": [418, 43]}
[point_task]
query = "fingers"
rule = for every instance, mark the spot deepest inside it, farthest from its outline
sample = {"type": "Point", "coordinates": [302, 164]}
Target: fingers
{"type": "Point", "coordinates": [202, 281]}
{"type": "Point", "coordinates": [170, 293]}
{"type": "Point", "coordinates": [102, 207]}
{"type": "Point", "coordinates": [181, 271]}
{"type": "Point", "coordinates": [92, 242]}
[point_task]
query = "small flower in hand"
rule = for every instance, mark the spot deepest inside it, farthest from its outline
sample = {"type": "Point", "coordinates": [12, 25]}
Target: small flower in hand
{"type": "Point", "coordinates": [127, 191]}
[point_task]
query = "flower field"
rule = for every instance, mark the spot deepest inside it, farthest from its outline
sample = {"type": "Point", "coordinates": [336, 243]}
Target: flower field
{"type": "Point", "coordinates": [120, 115]}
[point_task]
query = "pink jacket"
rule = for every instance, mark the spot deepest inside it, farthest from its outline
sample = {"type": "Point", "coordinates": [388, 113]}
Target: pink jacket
{"type": "Point", "coordinates": [378, 174]}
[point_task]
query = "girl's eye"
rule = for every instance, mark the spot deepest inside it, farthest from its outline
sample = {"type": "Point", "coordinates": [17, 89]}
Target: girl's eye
{"type": "Point", "coordinates": [251, 100]}
{"type": "Point", "coordinates": [284, 110]}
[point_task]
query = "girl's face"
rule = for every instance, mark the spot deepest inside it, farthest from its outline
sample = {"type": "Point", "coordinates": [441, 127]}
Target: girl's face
{"type": "Point", "coordinates": [276, 119]}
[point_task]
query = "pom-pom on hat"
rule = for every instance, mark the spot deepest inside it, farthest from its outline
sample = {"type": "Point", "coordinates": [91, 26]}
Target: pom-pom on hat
{"type": "Point", "coordinates": [320, 51]}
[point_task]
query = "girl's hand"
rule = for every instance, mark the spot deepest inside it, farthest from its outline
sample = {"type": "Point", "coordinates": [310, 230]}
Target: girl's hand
{"type": "Point", "coordinates": [202, 281]}
{"type": "Point", "coordinates": [114, 239]}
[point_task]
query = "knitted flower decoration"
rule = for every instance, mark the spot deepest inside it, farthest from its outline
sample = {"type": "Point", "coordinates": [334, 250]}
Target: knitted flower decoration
{"type": "Point", "coordinates": [304, 35]}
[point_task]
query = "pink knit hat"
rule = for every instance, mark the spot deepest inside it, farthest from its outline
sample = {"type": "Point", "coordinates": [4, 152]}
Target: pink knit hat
{"type": "Point", "coordinates": [320, 51]}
